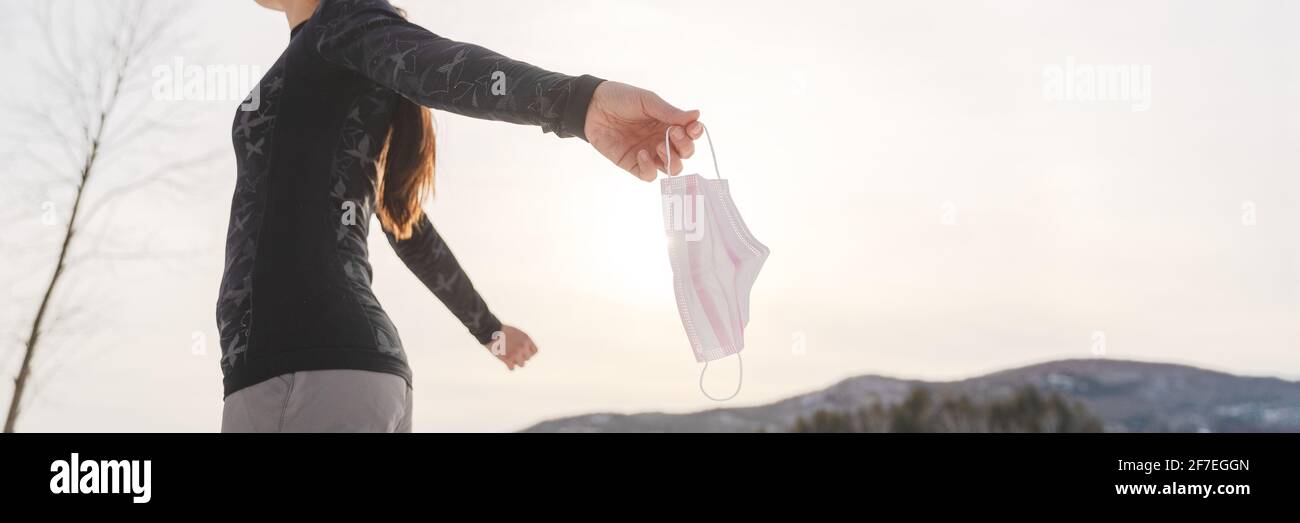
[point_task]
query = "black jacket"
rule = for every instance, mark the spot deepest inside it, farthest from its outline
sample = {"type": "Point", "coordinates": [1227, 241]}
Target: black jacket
{"type": "Point", "coordinates": [296, 290]}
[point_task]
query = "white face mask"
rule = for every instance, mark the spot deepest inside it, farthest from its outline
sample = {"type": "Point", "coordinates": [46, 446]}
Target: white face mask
{"type": "Point", "coordinates": [715, 260]}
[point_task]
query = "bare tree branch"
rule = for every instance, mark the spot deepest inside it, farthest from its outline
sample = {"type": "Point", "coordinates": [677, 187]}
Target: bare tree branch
{"type": "Point", "coordinates": [89, 120]}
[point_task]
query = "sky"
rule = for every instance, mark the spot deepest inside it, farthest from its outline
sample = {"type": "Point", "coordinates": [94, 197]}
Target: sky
{"type": "Point", "coordinates": [936, 207]}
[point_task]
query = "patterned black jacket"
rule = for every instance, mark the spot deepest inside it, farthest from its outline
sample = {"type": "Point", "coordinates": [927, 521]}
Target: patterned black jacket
{"type": "Point", "coordinates": [296, 293]}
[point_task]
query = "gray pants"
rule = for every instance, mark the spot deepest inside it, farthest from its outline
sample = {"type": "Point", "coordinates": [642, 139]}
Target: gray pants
{"type": "Point", "coordinates": [321, 401]}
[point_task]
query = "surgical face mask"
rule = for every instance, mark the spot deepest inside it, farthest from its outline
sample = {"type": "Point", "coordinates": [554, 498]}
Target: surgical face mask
{"type": "Point", "coordinates": [715, 260]}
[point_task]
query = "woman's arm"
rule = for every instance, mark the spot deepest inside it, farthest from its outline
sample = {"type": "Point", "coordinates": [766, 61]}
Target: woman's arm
{"type": "Point", "coordinates": [624, 123]}
{"type": "Point", "coordinates": [371, 38]}
{"type": "Point", "coordinates": [429, 258]}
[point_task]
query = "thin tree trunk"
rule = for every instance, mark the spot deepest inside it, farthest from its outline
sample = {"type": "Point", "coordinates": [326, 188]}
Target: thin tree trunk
{"type": "Point", "coordinates": [25, 370]}
{"type": "Point", "coordinates": [20, 383]}
{"type": "Point", "coordinates": [126, 42]}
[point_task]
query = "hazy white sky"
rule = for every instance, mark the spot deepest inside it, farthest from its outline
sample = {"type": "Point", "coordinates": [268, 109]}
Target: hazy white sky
{"type": "Point", "coordinates": [930, 212]}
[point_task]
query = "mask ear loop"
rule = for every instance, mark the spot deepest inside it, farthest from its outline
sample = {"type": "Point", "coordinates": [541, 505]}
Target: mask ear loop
{"type": "Point", "coordinates": [668, 165]}
{"type": "Point", "coordinates": [668, 151]}
{"type": "Point", "coordinates": [740, 379]}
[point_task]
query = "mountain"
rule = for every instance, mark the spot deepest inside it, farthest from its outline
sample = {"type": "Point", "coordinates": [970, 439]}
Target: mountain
{"type": "Point", "coordinates": [1128, 396]}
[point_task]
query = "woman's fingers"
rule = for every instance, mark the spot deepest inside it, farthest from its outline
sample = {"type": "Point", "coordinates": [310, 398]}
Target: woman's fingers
{"type": "Point", "coordinates": [683, 145]}
{"type": "Point", "coordinates": [523, 353]}
{"type": "Point", "coordinates": [657, 108]}
{"type": "Point", "coordinates": [515, 349]}
{"type": "Point", "coordinates": [695, 129]}
{"type": "Point", "coordinates": [645, 166]}
{"type": "Point", "coordinates": [677, 162]}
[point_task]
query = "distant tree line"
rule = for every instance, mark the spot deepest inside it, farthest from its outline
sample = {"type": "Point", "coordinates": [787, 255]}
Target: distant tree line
{"type": "Point", "coordinates": [1026, 410]}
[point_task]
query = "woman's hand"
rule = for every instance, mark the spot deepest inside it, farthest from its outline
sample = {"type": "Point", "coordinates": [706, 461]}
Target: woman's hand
{"type": "Point", "coordinates": [512, 346]}
{"type": "Point", "coordinates": [626, 124]}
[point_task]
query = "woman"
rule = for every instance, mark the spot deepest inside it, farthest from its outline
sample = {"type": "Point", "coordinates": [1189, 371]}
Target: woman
{"type": "Point", "coordinates": [337, 130]}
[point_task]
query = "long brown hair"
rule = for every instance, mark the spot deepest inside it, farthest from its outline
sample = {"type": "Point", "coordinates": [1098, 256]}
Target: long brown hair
{"type": "Point", "coordinates": [404, 170]}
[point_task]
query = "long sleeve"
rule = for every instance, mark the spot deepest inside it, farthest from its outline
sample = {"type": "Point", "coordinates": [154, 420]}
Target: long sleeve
{"type": "Point", "coordinates": [427, 256]}
{"type": "Point", "coordinates": [371, 38]}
